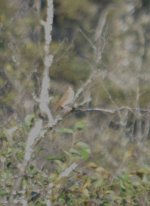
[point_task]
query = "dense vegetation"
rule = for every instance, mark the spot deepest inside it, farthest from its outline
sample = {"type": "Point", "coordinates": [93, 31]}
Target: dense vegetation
{"type": "Point", "coordinates": [103, 47]}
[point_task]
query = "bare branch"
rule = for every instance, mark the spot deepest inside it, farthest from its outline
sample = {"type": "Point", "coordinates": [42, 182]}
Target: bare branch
{"type": "Point", "coordinates": [44, 95]}
{"type": "Point", "coordinates": [112, 111]}
{"type": "Point", "coordinates": [32, 137]}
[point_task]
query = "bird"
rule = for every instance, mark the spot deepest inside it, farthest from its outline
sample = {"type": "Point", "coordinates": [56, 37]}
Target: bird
{"type": "Point", "coordinates": [66, 100]}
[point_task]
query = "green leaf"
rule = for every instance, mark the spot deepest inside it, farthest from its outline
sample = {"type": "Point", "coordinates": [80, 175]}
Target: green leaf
{"type": "Point", "coordinates": [85, 153]}
{"type": "Point", "coordinates": [66, 130]}
{"type": "Point", "coordinates": [52, 158]}
{"type": "Point", "coordinates": [79, 125]}
{"type": "Point", "coordinates": [74, 151]}
{"type": "Point", "coordinates": [83, 149]}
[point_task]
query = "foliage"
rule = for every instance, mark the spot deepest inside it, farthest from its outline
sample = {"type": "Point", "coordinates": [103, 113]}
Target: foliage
{"type": "Point", "coordinates": [93, 182]}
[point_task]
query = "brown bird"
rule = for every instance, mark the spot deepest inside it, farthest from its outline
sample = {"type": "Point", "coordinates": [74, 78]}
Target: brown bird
{"type": "Point", "coordinates": [66, 100]}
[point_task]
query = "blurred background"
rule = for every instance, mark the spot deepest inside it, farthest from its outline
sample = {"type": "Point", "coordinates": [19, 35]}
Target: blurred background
{"type": "Point", "coordinates": [107, 41]}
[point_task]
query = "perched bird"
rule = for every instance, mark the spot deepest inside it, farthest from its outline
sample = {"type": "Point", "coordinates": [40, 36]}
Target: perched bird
{"type": "Point", "coordinates": [66, 100]}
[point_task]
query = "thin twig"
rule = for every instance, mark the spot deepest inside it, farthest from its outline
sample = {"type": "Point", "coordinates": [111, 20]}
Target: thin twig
{"type": "Point", "coordinates": [112, 111]}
